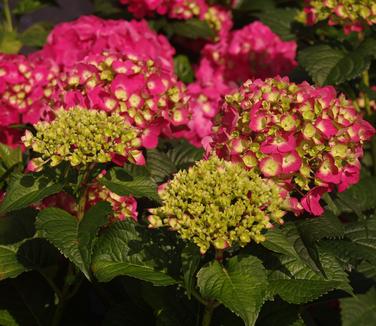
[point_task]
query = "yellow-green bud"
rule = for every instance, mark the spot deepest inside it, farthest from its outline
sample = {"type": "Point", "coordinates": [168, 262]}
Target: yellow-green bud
{"type": "Point", "coordinates": [82, 136]}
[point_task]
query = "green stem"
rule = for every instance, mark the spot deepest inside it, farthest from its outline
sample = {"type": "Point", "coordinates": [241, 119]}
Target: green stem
{"type": "Point", "coordinates": [52, 284]}
{"type": "Point", "coordinates": [66, 294]}
{"type": "Point", "coordinates": [332, 206]}
{"type": "Point", "coordinates": [7, 16]}
{"type": "Point", "coordinates": [365, 77]}
{"type": "Point", "coordinates": [198, 297]}
{"type": "Point", "coordinates": [373, 150]}
{"type": "Point", "coordinates": [208, 314]}
{"type": "Point", "coordinates": [219, 255]}
{"type": "Point", "coordinates": [83, 185]}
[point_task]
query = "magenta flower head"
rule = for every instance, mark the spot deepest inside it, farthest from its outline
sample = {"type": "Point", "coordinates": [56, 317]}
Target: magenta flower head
{"type": "Point", "coordinates": [305, 138]}
{"type": "Point", "coordinates": [136, 87]}
{"type": "Point", "coordinates": [26, 87]}
{"type": "Point", "coordinates": [251, 52]}
{"type": "Point", "coordinates": [70, 42]}
{"type": "Point", "coordinates": [122, 206]}
{"type": "Point", "coordinates": [175, 9]}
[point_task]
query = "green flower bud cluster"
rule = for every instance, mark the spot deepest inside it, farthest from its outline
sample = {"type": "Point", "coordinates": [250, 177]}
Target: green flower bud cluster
{"type": "Point", "coordinates": [354, 15]}
{"type": "Point", "coordinates": [219, 203]}
{"type": "Point", "coordinates": [82, 136]}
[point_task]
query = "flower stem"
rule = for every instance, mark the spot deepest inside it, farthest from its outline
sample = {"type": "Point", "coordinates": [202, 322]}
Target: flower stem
{"type": "Point", "coordinates": [219, 255]}
{"type": "Point", "coordinates": [208, 314]}
{"type": "Point", "coordinates": [7, 16]}
{"type": "Point", "coordinates": [331, 204]}
{"type": "Point", "coordinates": [365, 78]}
{"type": "Point", "coordinates": [373, 150]}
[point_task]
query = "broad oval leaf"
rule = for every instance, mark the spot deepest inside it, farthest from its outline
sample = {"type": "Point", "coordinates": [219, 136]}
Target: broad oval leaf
{"type": "Point", "coordinates": [128, 249]}
{"type": "Point", "coordinates": [10, 267]}
{"type": "Point", "coordinates": [74, 240]}
{"type": "Point", "coordinates": [24, 190]}
{"type": "Point", "coordinates": [359, 310]}
{"type": "Point", "coordinates": [241, 286]}
{"type": "Point", "coordinates": [121, 182]}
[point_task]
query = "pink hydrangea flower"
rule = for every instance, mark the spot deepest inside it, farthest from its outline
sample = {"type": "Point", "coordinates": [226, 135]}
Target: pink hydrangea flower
{"type": "Point", "coordinates": [26, 87]}
{"type": "Point", "coordinates": [251, 52]}
{"type": "Point", "coordinates": [71, 42]}
{"type": "Point", "coordinates": [306, 138]}
{"type": "Point", "coordinates": [11, 137]}
{"type": "Point", "coordinates": [60, 200]}
{"type": "Point", "coordinates": [203, 104]}
{"type": "Point", "coordinates": [123, 206]}
{"type": "Point", "coordinates": [140, 89]}
{"type": "Point", "coordinates": [177, 9]}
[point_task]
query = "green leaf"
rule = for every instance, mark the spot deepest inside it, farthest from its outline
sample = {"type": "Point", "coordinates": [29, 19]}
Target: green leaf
{"type": "Point", "coordinates": [280, 21]}
{"type": "Point", "coordinates": [254, 5]}
{"type": "Point", "coordinates": [361, 196]}
{"type": "Point", "coordinates": [107, 8]}
{"type": "Point", "coordinates": [359, 243]}
{"type": "Point", "coordinates": [61, 229]}
{"type": "Point", "coordinates": [17, 225]}
{"type": "Point", "coordinates": [367, 269]}
{"type": "Point", "coordinates": [297, 283]}
{"type": "Point", "coordinates": [35, 35]}
{"type": "Point", "coordinates": [37, 254]}
{"type": "Point", "coordinates": [193, 29]}
{"type": "Point", "coordinates": [190, 258]}
{"type": "Point", "coordinates": [277, 241]}
{"type": "Point", "coordinates": [9, 42]}
{"type": "Point", "coordinates": [74, 240]}
{"type": "Point", "coordinates": [319, 60]}
{"type": "Point", "coordinates": [122, 183]}
{"type": "Point", "coordinates": [6, 319]}
{"type": "Point", "coordinates": [298, 291]}
{"type": "Point", "coordinates": [94, 219]}
{"type": "Point", "coordinates": [327, 65]}
{"type": "Point", "coordinates": [24, 190]}
{"type": "Point", "coordinates": [183, 155]}
{"type": "Point", "coordinates": [128, 249]}
{"type": "Point", "coordinates": [240, 286]}
{"type": "Point", "coordinates": [159, 165]}
{"type": "Point", "coordinates": [183, 68]}
{"type": "Point", "coordinates": [325, 226]}
{"type": "Point", "coordinates": [360, 310]}
{"type": "Point", "coordinates": [9, 265]}
{"type": "Point", "coordinates": [163, 165]}
{"type": "Point", "coordinates": [288, 240]}
{"type": "Point", "coordinates": [27, 6]}
{"type": "Point", "coordinates": [10, 156]}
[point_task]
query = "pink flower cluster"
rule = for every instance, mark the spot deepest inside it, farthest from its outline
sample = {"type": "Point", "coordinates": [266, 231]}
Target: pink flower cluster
{"type": "Point", "coordinates": [252, 52]}
{"type": "Point", "coordinates": [71, 42]}
{"type": "Point", "coordinates": [354, 16]}
{"type": "Point", "coordinates": [26, 86]}
{"type": "Point", "coordinates": [177, 9]}
{"type": "Point", "coordinates": [306, 138]}
{"type": "Point", "coordinates": [123, 206]}
{"type": "Point", "coordinates": [140, 89]}
{"type": "Point", "coordinates": [60, 200]}
{"type": "Point", "coordinates": [30, 85]}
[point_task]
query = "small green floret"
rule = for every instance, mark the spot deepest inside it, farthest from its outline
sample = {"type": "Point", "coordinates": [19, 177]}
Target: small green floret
{"type": "Point", "coordinates": [219, 203]}
{"type": "Point", "coordinates": [82, 136]}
